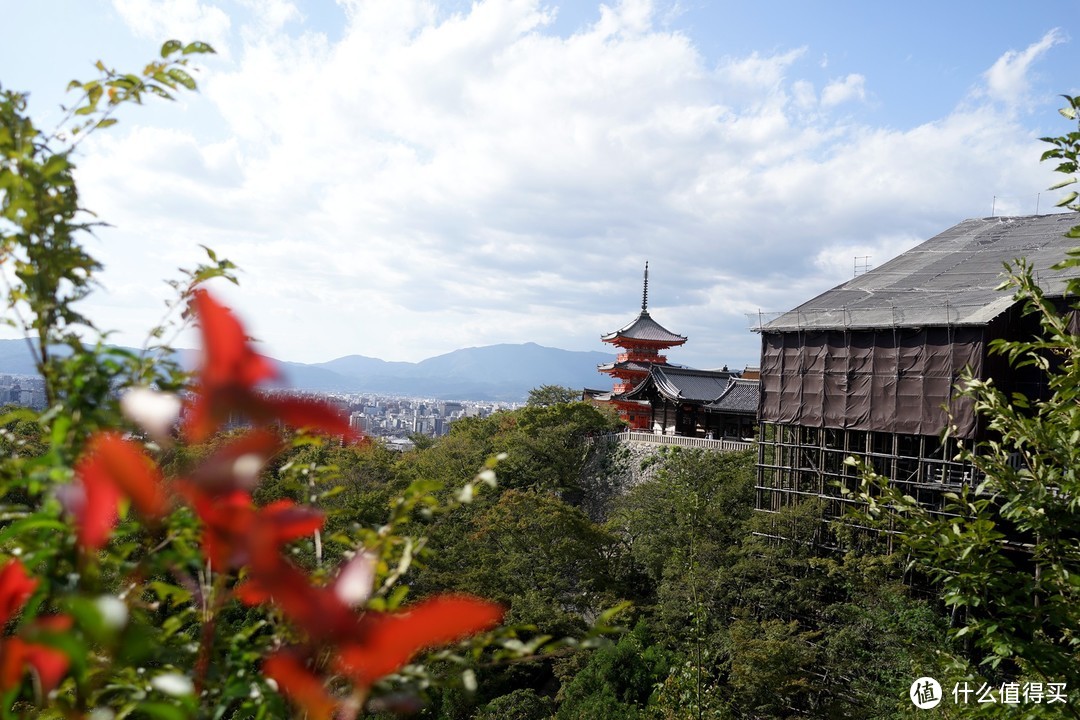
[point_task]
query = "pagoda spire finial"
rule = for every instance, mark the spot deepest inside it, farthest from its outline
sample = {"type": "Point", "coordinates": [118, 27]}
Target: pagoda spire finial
{"type": "Point", "coordinates": [645, 290]}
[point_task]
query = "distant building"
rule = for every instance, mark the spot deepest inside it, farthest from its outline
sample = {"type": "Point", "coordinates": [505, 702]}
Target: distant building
{"type": "Point", "coordinates": [641, 342]}
{"type": "Point", "coordinates": [359, 422]}
{"type": "Point", "coordinates": [654, 395]}
{"type": "Point", "coordinates": [869, 368]}
{"type": "Point", "coordinates": [699, 403]}
{"type": "Point", "coordinates": [25, 390]}
{"type": "Point", "coordinates": [399, 444]}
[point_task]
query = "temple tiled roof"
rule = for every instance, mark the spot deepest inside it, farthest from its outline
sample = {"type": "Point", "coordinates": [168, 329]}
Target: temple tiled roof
{"type": "Point", "coordinates": [610, 396]}
{"type": "Point", "coordinates": [645, 328]}
{"type": "Point", "coordinates": [626, 365]}
{"type": "Point", "coordinates": [715, 390]}
{"type": "Point", "coordinates": [740, 396]}
{"type": "Point", "coordinates": [680, 384]}
{"type": "Point", "coordinates": [597, 395]}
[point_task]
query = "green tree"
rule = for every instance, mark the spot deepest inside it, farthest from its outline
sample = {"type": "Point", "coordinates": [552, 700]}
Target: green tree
{"type": "Point", "coordinates": [532, 551]}
{"type": "Point", "coordinates": [526, 543]}
{"type": "Point", "coordinates": [618, 681]}
{"type": "Point", "coordinates": [693, 497]}
{"type": "Point", "coordinates": [547, 448]}
{"type": "Point", "coordinates": [684, 528]}
{"type": "Point", "coordinates": [773, 667]}
{"type": "Point", "coordinates": [520, 704]}
{"type": "Point", "coordinates": [552, 395]}
{"type": "Point", "coordinates": [758, 628]}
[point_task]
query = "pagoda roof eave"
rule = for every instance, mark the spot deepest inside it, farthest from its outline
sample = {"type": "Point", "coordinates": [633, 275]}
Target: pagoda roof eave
{"type": "Point", "coordinates": [623, 400]}
{"type": "Point", "coordinates": [625, 366]}
{"type": "Point", "coordinates": [644, 329]}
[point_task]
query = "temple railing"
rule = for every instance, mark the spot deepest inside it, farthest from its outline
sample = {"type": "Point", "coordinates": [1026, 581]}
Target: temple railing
{"type": "Point", "coordinates": [722, 445]}
{"type": "Point", "coordinates": [645, 357]}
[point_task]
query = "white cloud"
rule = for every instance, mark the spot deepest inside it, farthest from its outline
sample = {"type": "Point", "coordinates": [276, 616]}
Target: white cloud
{"type": "Point", "coordinates": [272, 15]}
{"type": "Point", "coordinates": [804, 95]}
{"type": "Point", "coordinates": [431, 181]}
{"type": "Point", "coordinates": [184, 20]}
{"type": "Point", "coordinates": [628, 17]}
{"type": "Point", "coordinates": [852, 87]}
{"type": "Point", "coordinates": [844, 260]}
{"type": "Point", "coordinates": [1007, 79]}
{"type": "Point", "coordinates": [756, 76]}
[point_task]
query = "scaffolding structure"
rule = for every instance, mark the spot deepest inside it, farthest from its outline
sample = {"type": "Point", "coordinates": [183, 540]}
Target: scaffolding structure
{"type": "Point", "coordinates": [870, 368]}
{"type": "Point", "coordinates": [796, 463]}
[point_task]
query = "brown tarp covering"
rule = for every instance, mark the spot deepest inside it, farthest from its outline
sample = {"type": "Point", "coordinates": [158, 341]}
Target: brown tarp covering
{"type": "Point", "coordinates": [887, 381]}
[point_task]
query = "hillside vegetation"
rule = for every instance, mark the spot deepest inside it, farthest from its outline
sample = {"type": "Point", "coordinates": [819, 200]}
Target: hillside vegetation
{"type": "Point", "coordinates": [723, 623]}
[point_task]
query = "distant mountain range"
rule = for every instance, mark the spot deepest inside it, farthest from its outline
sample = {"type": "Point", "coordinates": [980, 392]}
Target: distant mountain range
{"type": "Point", "coordinates": [494, 372]}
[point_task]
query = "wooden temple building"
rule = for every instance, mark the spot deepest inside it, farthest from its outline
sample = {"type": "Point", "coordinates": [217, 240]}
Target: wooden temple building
{"type": "Point", "coordinates": [871, 368]}
{"type": "Point", "coordinates": [654, 395]}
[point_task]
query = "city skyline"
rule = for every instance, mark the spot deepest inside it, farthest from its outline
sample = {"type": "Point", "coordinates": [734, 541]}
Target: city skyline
{"type": "Point", "coordinates": [491, 373]}
{"type": "Point", "coordinates": [402, 179]}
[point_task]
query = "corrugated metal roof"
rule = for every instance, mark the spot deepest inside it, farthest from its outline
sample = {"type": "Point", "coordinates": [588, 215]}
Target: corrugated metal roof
{"type": "Point", "coordinates": [950, 279]}
{"type": "Point", "coordinates": [644, 327]}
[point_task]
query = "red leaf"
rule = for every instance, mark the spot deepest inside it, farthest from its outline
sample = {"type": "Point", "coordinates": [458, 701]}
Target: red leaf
{"type": "Point", "coordinates": [95, 515]}
{"type": "Point", "coordinates": [237, 464]}
{"type": "Point", "coordinates": [210, 407]}
{"type": "Point", "coordinates": [227, 379]}
{"type": "Point", "coordinates": [132, 471]}
{"type": "Point", "coordinates": [390, 640]}
{"type": "Point", "coordinates": [198, 418]}
{"type": "Point", "coordinates": [226, 523]}
{"type": "Point", "coordinates": [12, 663]}
{"type": "Point", "coordinates": [275, 525]}
{"type": "Point", "coordinates": [111, 467]}
{"type": "Point", "coordinates": [316, 610]}
{"type": "Point", "coordinates": [283, 521]}
{"type": "Point", "coordinates": [236, 533]}
{"type": "Point", "coordinates": [229, 359]}
{"type": "Point", "coordinates": [229, 372]}
{"type": "Point", "coordinates": [299, 685]}
{"type": "Point", "coordinates": [53, 623]}
{"type": "Point", "coordinates": [16, 587]}
{"type": "Point", "coordinates": [311, 414]}
{"type": "Point", "coordinates": [251, 593]}
{"type": "Point", "coordinates": [50, 664]}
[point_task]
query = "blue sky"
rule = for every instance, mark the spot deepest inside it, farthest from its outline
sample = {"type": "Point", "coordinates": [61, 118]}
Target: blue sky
{"type": "Point", "coordinates": [400, 178]}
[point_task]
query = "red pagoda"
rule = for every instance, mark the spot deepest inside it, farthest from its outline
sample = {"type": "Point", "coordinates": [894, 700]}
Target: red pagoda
{"type": "Point", "coordinates": [641, 342]}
